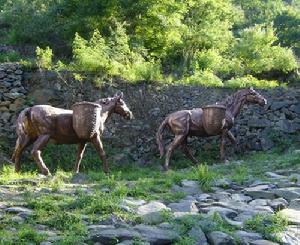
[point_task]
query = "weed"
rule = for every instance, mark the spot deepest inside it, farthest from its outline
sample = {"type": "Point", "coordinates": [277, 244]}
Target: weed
{"type": "Point", "coordinates": [204, 176]}
{"type": "Point", "coordinates": [28, 234]}
{"type": "Point", "coordinates": [240, 174]}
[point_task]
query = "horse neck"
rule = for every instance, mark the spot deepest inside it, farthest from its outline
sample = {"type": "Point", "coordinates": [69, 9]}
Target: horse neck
{"type": "Point", "coordinates": [235, 106]}
{"type": "Point", "coordinates": [106, 111]}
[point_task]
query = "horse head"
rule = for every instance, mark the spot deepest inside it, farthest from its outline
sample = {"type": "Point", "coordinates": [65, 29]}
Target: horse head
{"type": "Point", "coordinates": [253, 97]}
{"type": "Point", "coordinates": [120, 106]}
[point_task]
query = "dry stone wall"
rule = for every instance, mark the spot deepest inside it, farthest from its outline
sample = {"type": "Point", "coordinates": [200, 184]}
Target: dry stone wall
{"type": "Point", "coordinates": [12, 96]}
{"type": "Point", "coordinates": [256, 128]}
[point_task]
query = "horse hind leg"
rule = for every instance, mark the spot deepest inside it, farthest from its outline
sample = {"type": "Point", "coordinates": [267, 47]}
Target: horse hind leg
{"type": "Point", "coordinates": [21, 143]}
{"type": "Point", "coordinates": [175, 143]}
{"type": "Point", "coordinates": [39, 144]}
{"type": "Point", "coordinates": [80, 152]}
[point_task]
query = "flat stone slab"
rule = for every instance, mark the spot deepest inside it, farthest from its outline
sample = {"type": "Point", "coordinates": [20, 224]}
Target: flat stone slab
{"type": "Point", "coordinates": [16, 210]}
{"type": "Point", "coordinates": [184, 206]}
{"type": "Point", "coordinates": [263, 242]}
{"type": "Point", "coordinates": [111, 236]}
{"type": "Point", "coordinates": [291, 235]}
{"type": "Point", "coordinates": [229, 213]}
{"type": "Point", "coordinates": [246, 237]}
{"type": "Point", "coordinates": [220, 238]}
{"type": "Point", "coordinates": [240, 197]}
{"type": "Point", "coordinates": [259, 202]}
{"type": "Point", "coordinates": [156, 235]}
{"type": "Point", "coordinates": [288, 193]}
{"type": "Point", "coordinates": [292, 215]}
{"type": "Point", "coordinates": [133, 202]}
{"type": "Point", "coordinates": [260, 191]}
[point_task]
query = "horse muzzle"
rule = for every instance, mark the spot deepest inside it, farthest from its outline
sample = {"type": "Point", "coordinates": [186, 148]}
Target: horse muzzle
{"type": "Point", "coordinates": [263, 102]}
{"type": "Point", "coordinates": [129, 115]}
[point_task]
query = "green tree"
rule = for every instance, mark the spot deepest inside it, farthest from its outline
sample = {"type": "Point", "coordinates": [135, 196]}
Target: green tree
{"type": "Point", "coordinates": [257, 52]}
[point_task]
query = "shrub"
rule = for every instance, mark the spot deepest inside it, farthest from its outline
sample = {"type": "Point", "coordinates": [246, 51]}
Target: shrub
{"type": "Point", "coordinates": [11, 56]}
{"type": "Point", "coordinates": [140, 69]}
{"type": "Point", "coordinates": [205, 78]}
{"type": "Point", "coordinates": [44, 58]}
{"type": "Point", "coordinates": [92, 55]}
{"type": "Point", "coordinates": [250, 81]}
{"type": "Point", "coordinates": [257, 52]}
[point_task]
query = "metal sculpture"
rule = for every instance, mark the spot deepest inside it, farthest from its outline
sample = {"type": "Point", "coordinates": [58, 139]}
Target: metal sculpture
{"type": "Point", "coordinates": [43, 124]}
{"type": "Point", "coordinates": [211, 120]}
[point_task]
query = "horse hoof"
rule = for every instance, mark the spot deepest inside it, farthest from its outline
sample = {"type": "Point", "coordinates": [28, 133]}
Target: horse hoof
{"type": "Point", "coordinates": [46, 172]}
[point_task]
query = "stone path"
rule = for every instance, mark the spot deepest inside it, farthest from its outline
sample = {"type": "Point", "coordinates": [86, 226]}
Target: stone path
{"type": "Point", "coordinates": [235, 204]}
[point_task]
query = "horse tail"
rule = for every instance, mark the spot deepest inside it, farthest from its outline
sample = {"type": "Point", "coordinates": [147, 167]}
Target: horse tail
{"type": "Point", "coordinates": [23, 122]}
{"type": "Point", "coordinates": [21, 125]}
{"type": "Point", "coordinates": [159, 136]}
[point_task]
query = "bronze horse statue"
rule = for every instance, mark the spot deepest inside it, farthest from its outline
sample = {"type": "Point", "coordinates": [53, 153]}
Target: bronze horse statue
{"type": "Point", "coordinates": [190, 123]}
{"type": "Point", "coordinates": [43, 124]}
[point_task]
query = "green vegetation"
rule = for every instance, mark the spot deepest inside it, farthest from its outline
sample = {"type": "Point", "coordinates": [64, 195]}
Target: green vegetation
{"type": "Point", "coordinates": [268, 225]}
{"type": "Point", "coordinates": [195, 42]}
{"type": "Point", "coordinates": [65, 208]}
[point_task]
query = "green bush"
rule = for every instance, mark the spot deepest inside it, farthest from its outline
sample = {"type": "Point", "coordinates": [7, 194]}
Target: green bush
{"type": "Point", "coordinates": [11, 56]}
{"type": "Point", "coordinates": [44, 58]}
{"type": "Point", "coordinates": [257, 51]}
{"type": "Point", "coordinates": [92, 55]}
{"type": "Point", "coordinates": [250, 81]}
{"type": "Point", "coordinates": [204, 78]}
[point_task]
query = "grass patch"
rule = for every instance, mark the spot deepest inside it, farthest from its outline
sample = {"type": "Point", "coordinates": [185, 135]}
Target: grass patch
{"type": "Point", "coordinates": [7, 174]}
{"type": "Point", "coordinates": [268, 225]}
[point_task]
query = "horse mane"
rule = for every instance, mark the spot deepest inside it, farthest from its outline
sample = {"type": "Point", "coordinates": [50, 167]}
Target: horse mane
{"type": "Point", "coordinates": [232, 99]}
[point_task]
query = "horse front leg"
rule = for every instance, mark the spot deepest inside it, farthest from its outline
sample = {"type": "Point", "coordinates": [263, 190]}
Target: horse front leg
{"type": "Point", "coordinates": [222, 151]}
{"type": "Point", "coordinates": [39, 144]}
{"type": "Point", "coordinates": [99, 148]}
{"type": "Point", "coordinates": [80, 152]}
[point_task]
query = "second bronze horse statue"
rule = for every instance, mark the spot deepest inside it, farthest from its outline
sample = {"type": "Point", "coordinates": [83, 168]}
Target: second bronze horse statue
{"type": "Point", "coordinates": [189, 123]}
{"type": "Point", "coordinates": [43, 124]}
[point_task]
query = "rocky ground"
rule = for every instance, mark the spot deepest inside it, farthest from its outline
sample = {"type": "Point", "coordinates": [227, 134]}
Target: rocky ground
{"type": "Point", "coordinates": [41, 210]}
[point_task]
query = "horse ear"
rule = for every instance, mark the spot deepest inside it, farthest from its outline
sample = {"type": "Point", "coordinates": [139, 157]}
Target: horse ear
{"type": "Point", "coordinates": [119, 94]}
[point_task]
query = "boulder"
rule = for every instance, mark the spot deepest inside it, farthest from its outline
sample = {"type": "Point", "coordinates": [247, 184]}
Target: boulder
{"type": "Point", "coordinates": [278, 203]}
{"type": "Point", "coordinates": [198, 236]}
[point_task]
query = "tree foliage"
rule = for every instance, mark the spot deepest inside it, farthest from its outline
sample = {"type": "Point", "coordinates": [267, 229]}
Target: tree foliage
{"type": "Point", "coordinates": [213, 39]}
